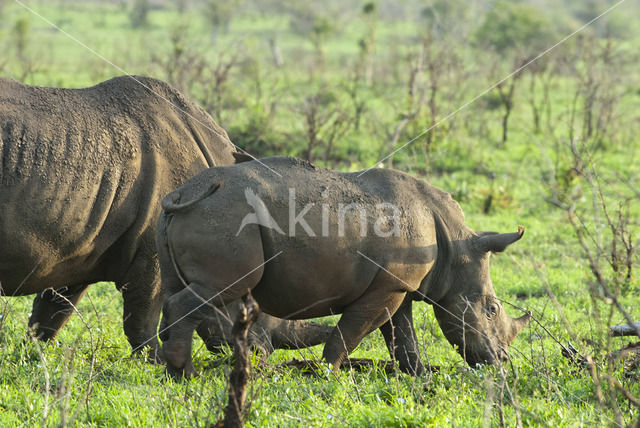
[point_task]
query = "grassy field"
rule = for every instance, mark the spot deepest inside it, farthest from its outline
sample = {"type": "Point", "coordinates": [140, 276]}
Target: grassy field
{"type": "Point", "coordinates": [350, 79]}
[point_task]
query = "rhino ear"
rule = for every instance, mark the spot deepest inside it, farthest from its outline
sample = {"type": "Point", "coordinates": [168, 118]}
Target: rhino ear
{"type": "Point", "coordinates": [242, 157]}
{"type": "Point", "coordinates": [497, 242]}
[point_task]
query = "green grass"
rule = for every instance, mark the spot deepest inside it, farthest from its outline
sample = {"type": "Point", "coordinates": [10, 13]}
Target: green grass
{"type": "Point", "coordinates": [93, 381]}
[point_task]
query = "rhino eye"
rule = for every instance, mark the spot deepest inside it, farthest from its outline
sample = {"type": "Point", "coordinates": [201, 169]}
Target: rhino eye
{"type": "Point", "coordinates": [492, 310]}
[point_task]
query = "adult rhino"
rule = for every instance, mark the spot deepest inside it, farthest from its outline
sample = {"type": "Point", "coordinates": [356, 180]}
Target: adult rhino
{"type": "Point", "coordinates": [82, 172]}
{"type": "Point", "coordinates": [310, 242]}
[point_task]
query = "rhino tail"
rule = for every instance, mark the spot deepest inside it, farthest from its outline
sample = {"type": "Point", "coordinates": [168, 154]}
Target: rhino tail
{"type": "Point", "coordinates": [300, 334]}
{"type": "Point", "coordinates": [172, 257]}
{"type": "Point", "coordinates": [171, 203]}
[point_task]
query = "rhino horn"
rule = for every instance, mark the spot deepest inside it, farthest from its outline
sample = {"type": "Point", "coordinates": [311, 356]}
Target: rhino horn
{"type": "Point", "coordinates": [498, 242]}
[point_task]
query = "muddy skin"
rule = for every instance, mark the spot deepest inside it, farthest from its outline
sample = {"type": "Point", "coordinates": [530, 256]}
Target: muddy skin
{"type": "Point", "coordinates": [82, 173]}
{"type": "Point", "coordinates": [302, 256]}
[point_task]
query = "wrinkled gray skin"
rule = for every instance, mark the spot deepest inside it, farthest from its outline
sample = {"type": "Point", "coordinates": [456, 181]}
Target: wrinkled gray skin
{"type": "Point", "coordinates": [370, 279]}
{"type": "Point", "coordinates": [82, 173]}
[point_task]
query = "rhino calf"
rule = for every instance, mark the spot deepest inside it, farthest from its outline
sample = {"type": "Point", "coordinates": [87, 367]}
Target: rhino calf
{"type": "Point", "coordinates": [311, 242]}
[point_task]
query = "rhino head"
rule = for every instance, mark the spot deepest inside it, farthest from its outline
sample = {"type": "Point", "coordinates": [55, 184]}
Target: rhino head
{"type": "Point", "coordinates": [469, 313]}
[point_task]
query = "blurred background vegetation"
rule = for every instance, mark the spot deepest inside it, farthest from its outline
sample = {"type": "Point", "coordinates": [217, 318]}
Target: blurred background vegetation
{"type": "Point", "coordinates": [345, 82]}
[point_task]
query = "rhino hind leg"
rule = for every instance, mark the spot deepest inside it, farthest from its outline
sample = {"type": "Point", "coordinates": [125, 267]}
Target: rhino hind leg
{"type": "Point", "coordinates": [361, 317]}
{"type": "Point", "coordinates": [52, 309]}
{"type": "Point", "coordinates": [266, 334]}
{"type": "Point", "coordinates": [217, 335]}
{"type": "Point", "coordinates": [183, 312]}
{"type": "Point", "coordinates": [298, 334]}
{"type": "Point", "coordinates": [142, 296]}
{"type": "Point", "coordinates": [140, 319]}
{"type": "Point", "coordinates": [215, 330]}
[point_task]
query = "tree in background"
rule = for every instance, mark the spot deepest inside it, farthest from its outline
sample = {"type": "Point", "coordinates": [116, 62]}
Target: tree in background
{"type": "Point", "coordinates": [20, 39]}
{"type": "Point", "coordinates": [20, 32]}
{"type": "Point", "coordinates": [619, 25]}
{"type": "Point", "coordinates": [367, 43]}
{"type": "Point", "coordinates": [362, 72]}
{"type": "Point", "coordinates": [325, 122]}
{"type": "Point", "coordinates": [219, 14]}
{"type": "Point", "coordinates": [414, 100]}
{"type": "Point", "coordinates": [139, 12]}
{"type": "Point", "coordinates": [184, 66]}
{"type": "Point", "coordinates": [181, 5]}
{"type": "Point", "coordinates": [316, 27]}
{"type": "Point", "coordinates": [515, 33]}
{"type": "Point", "coordinates": [445, 19]}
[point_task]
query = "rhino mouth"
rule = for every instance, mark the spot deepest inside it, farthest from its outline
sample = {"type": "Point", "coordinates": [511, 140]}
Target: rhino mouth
{"type": "Point", "coordinates": [479, 358]}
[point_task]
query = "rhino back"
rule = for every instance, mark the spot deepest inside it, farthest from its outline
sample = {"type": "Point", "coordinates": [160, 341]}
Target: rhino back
{"type": "Point", "coordinates": [82, 171]}
{"type": "Point", "coordinates": [279, 178]}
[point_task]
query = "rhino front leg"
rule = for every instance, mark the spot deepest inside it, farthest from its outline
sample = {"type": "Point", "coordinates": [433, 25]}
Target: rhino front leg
{"type": "Point", "coordinates": [401, 339]}
{"type": "Point", "coordinates": [361, 317]}
{"type": "Point", "coordinates": [52, 309]}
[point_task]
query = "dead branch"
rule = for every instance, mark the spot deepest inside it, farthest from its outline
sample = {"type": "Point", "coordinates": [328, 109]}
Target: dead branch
{"type": "Point", "coordinates": [414, 103]}
{"type": "Point", "coordinates": [625, 330]}
{"type": "Point", "coordinates": [239, 377]}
